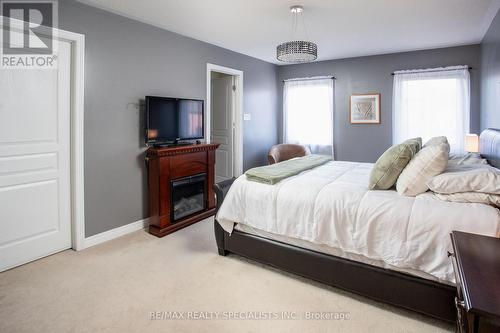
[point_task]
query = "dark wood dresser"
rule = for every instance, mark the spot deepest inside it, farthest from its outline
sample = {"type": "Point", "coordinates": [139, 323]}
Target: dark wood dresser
{"type": "Point", "coordinates": [180, 180]}
{"type": "Point", "coordinates": [476, 261]}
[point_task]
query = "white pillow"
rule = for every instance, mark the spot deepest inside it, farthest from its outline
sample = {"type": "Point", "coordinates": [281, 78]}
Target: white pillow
{"type": "Point", "coordinates": [435, 141]}
{"type": "Point", "coordinates": [430, 161]}
{"type": "Point", "coordinates": [457, 160]}
{"type": "Point", "coordinates": [468, 178]}
{"type": "Point", "coordinates": [485, 198]}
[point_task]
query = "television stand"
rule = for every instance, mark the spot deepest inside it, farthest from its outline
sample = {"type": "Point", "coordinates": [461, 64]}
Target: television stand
{"type": "Point", "coordinates": [173, 144]}
{"type": "Point", "coordinates": [183, 144]}
{"type": "Point", "coordinates": [181, 180]}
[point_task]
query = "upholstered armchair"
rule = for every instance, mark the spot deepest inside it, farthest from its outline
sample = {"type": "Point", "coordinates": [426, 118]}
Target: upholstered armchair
{"type": "Point", "coordinates": [286, 151]}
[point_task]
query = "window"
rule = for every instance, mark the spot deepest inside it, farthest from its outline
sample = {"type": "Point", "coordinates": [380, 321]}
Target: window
{"type": "Point", "coordinates": [308, 114]}
{"type": "Point", "coordinates": [431, 103]}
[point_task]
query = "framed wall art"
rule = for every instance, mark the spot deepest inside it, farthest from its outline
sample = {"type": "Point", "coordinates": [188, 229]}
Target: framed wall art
{"type": "Point", "coordinates": [365, 109]}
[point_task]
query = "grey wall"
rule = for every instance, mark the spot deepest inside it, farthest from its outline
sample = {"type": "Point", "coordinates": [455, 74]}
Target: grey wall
{"type": "Point", "coordinates": [126, 60]}
{"type": "Point", "coordinates": [371, 74]}
{"type": "Point", "coordinates": [490, 76]}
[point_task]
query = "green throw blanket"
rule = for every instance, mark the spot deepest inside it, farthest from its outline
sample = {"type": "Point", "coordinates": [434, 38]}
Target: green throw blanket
{"type": "Point", "coordinates": [271, 174]}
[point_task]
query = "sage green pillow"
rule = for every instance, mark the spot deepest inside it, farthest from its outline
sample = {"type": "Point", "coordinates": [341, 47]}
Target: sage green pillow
{"type": "Point", "coordinates": [391, 163]}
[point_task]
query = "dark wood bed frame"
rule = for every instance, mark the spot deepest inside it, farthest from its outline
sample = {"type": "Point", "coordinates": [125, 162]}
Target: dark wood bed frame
{"type": "Point", "coordinates": [399, 289]}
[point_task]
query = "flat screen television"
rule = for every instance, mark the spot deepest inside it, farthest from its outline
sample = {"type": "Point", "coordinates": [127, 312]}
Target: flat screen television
{"type": "Point", "coordinates": [170, 120]}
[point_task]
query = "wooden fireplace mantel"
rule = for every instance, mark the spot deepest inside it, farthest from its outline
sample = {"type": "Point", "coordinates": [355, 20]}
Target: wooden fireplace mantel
{"type": "Point", "coordinates": [168, 164]}
{"type": "Point", "coordinates": [177, 150]}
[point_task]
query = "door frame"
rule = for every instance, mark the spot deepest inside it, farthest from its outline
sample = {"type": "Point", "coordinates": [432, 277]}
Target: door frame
{"type": "Point", "coordinates": [77, 42]}
{"type": "Point", "coordinates": [237, 113]}
{"type": "Point", "coordinates": [77, 93]}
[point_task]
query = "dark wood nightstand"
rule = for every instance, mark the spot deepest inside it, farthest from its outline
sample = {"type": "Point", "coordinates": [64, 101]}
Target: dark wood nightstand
{"type": "Point", "coordinates": [476, 262]}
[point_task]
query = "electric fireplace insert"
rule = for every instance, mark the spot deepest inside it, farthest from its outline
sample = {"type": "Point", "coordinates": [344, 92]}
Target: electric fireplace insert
{"type": "Point", "coordinates": [187, 196]}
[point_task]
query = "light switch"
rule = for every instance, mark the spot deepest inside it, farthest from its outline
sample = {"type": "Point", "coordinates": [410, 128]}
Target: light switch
{"type": "Point", "coordinates": [247, 116]}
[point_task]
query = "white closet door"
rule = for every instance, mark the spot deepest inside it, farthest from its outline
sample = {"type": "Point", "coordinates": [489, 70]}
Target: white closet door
{"type": "Point", "coordinates": [35, 196]}
{"type": "Point", "coordinates": [222, 126]}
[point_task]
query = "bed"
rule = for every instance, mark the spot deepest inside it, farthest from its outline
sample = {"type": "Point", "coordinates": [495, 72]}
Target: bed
{"type": "Point", "coordinates": [325, 225]}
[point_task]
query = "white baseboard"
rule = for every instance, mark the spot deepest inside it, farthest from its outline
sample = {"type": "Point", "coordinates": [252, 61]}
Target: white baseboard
{"type": "Point", "coordinates": [115, 233]}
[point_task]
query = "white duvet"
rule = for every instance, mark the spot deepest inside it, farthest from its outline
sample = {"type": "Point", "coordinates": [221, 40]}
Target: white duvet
{"type": "Point", "coordinates": [332, 205]}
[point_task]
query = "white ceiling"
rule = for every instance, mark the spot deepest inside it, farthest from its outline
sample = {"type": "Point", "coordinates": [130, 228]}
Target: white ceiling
{"type": "Point", "coordinates": [341, 28]}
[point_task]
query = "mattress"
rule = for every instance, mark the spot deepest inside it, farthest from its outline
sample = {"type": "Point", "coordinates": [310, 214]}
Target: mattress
{"type": "Point", "coordinates": [331, 206]}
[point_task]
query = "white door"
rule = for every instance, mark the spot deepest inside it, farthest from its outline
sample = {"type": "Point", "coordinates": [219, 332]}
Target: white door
{"type": "Point", "coordinates": [222, 126]}
{"type": "Point", "coordinates": [35, 201]}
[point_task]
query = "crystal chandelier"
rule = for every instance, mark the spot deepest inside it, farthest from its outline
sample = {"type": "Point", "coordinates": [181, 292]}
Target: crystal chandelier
{"type": "Point", "coordinates": [297, 50]}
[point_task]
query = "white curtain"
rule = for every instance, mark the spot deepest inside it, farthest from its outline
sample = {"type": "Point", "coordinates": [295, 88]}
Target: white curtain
{"type": "Point", "coordinates": [432, 102]}
{"type": "Point", "coordinates": [308, 114]}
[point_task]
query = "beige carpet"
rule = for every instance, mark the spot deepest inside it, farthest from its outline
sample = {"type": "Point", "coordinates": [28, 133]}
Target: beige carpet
{"type": "Point", "coordinates": [114, 287]}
